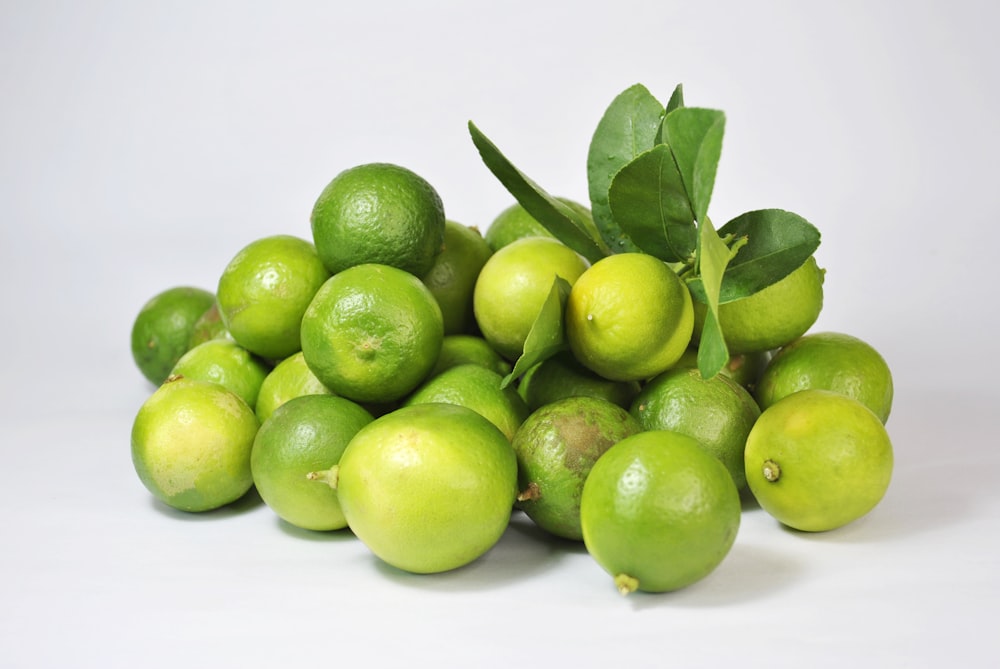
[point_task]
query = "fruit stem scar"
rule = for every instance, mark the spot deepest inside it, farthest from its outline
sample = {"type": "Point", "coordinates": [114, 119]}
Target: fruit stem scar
{"type": "Point", "coordinates": [529, 494]}
{"type": "Point", "coordinates": [330, 476]}
{"type": "Point", "coordinates": [771, 470]}
{"type": "Point", "coordinates": [626, 584]}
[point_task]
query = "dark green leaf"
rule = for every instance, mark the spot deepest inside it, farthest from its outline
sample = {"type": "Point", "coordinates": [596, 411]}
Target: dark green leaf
{"type": "Point", "coordinates": [695, 137]}
{"type": "Point", "coordinates": [629, 127]}
{"type": "Point", "coordinates": [777, 243]}
{"type": "Point", "coordinates": [649, 204]}
{"type": "Point", "coordinates": [569, 225]}
{"type": "Point", "coordinates": [676, 101]}
{"type": "Point", "coordinates": [547, 335]}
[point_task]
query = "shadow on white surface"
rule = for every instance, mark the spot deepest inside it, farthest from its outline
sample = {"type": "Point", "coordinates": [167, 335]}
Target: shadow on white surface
{"type": "Point", "coordinates": [248, 503]}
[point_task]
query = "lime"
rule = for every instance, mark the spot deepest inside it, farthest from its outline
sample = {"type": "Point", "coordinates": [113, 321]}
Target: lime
{"type": "Point", "coordinates": [514, 284]}
{"type": "Point", "coordinates": [452, 277]}
{"type": "Point", "coordinates": [556, 447]}
{"type": "Point", "coordinates": [225, 362]}
{"type": "Point", "coordinates": [461, 349]}
{"type": "Point", "coordinates": [817, 460]}
{"type": "Point", "coordinates": [717, 412]}
{"type": "Point", "coordinates": [290, 378]}
{"type": "Point", "coordinates": [372, 333]}
{"type": "Point", "coordinates": [511, 224]}
{"type": "Point", "coordinates": [771, 317]}
{"type": "Point", "coordinates": [743, 368]}
{"type": "Point", "coordinates": [264, 291]}
{"type": "Point", "coordinates": [629, 317]}
{"type": "Point", "coordinates": [829, 361]}
{"type": "Point", "coordinates": [658, 512]}
{"type": "Point", "coordinates": [429, 487]}
{"type": "Point", "coordinates": [562, 376]}
{"type": "Point", "coordinates": [293, 451]}
{"type": "Point", "coordinates": [162, 330]}
{"type": "Point", "coordinates": [479, 389]}
{"type": "Point", "coordinates": [378, 213]}
{"type": "Point", "coordinates": [191, 443]}
{"type": "Point", "coordinates": [208, 326]}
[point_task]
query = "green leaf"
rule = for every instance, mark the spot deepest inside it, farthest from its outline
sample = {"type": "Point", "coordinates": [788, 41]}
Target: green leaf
{"type": "Point", "coordinates": [649, 204]}
{"type": "Point", "coordinates": [570, 226]}
{"type": "Point", "coordinates": [695, 138]}
{"type": "Point", "coordinates": [629, 127]}
{"type": "Point", "coordinates": [777, 243]}
{"type": "Point", "coordinates": [713, 256]}
{"type": "Point", "coordinates": [676, 102]}
{"type": "Point", "coordinates": [547, 335]}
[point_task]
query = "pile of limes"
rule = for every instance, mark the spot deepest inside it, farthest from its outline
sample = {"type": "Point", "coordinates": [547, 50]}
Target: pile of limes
{"type": "Point", "coordinates": [365, 379]}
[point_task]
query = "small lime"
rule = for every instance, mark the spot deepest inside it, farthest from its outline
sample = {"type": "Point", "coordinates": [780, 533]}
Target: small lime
{"type": "Point", "coordinates": [162, 330]}
{"type": "Point", "coordinates": [225, 362]}
{"type": "Point", "coordinates": [290, 378]}
{"type": "Point", "coordinates": [452, 277]}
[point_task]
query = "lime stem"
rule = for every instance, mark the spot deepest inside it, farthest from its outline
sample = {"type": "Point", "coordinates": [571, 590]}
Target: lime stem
{"type": "Point", "coordinates": [529, 494]}
{"type": "Point", "coordinates": [329, 476]}
{"type": "Point", "coordinates": [771, 471]}
{"type": "Point", "coordinates": [626, 584]}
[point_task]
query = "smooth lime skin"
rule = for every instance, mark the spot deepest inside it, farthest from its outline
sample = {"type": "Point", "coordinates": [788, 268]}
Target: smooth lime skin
{"type": "Point", "coordinates": [463, 349]}
{"type": "Point", "coordinates": [288, 379]}
{"type": "Point", "coordinates": [162, 329]}
{"type": "Point", "coordinates": [562, 376]}
{"type": "Point", "coordinates": [225, 362]}
{"type": "Point", "coordinates": [305, 436]}
{"type": "Point", "coordinates": [428, 488]}
{"type": "Point", "coordinates": [191, 444]}
{"type": "Point", "coordinates": [452, 277]}
{"type": "Point", "coordinates": [636, 524]}
{"type": "Point", "coordinates": [817, 460]}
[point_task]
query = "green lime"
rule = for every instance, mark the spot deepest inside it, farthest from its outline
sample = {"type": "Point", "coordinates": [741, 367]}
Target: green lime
{"type": "Point", "coordinates": [225, 362]}
{"type": "Point", "coordinates": [817, 460]}
{"type": "Point", "coordinates": [191, 443]}
{"type": "Point", "coordinates": [372, 333]}
{"type": "Point", "coordinates": [290, 378]}
{"type": "Point", "coordinates": [717, 412]}
{"type": "Point", "coordinates": [562, 376]}
{"type": "Point", "coordinates": [556, 448]}
{"type": "Point", "coordinates": [264, 291]}
{"type": "Point", "coordinates": [659, 513]}
{"type": "Point", "coordinates": [452, 277]}
{"type": "Point", "coordinates": [461, 349]}
{"type": "Point", "coordinates": [162, 330]}
{"type": "Point", "coordinates": [378, 213]}
{"type": "Point", "coordinates": [429, 487]}
{"type": "Point", "coordinates": [208, 326]}
{"type": "Point", "coordinates": [293, 452]}
{"type": "Point", "coordinates": [829, 361]}
{"type": "Point", "coordinates": [743, 368]}
{"type": "Point", "coordinates": [511, 224]}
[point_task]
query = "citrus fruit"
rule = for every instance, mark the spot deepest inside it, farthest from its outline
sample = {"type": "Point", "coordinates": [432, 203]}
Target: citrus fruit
{"type": "Point", "coordinates": [717, 412]}
{"type": "Point", "coordinates": [556, 448]}
{"type": "Point", "coordinates": [429, 487]}
{"type": "Point", "coordinates": [511, 224]}
{"type": "Point", "coordinates": [293, 451]}
{"type": "Point", "coordinates": [829, 361]}
{"type": "Point", "coordinates": [265, 289]}
{"type": "Point", "coordinates": [191, 443]}
{"type": "Point", "coordinates": [290, 378]}
{"type": "Point", "coordinates": [208, 326]}
{"type": "Point", "coordinates": [817, 460]}
{"type": "Point", "coordinates": [562, 375]}
{"type": "Point", "coordinates": [743, 368]}
{"type": "Point", "coordinates": [162, 329]}
{"type": "Point", "coordinates": [461, 349]}
{"type": "Point", "coordinates": [452, 277]}
{"type": "Point", "coordinates": [378, 213]}
{"type": "Point", "coordinates": [477, 388]}
{"type": "Point", "coordinates": [514, 284]}
{"type": "Point", "coordinates": [225, 362]}
{"type": "Point", "coordinates": [629, 317]}
{"type": "Point", "coordinates": [774, 316]}
{"type": "Point", "coordinates": [658, 512]}
{"type": "Point", "coordinates": [372, 333]}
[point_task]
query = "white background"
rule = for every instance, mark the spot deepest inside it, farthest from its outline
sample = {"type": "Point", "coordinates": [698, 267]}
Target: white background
{"type": "Point", "coordinates": [143, 143]}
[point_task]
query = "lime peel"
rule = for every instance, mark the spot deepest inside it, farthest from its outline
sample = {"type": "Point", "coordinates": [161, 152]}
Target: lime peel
{"type": "Point", "coordinates": [626, 584]}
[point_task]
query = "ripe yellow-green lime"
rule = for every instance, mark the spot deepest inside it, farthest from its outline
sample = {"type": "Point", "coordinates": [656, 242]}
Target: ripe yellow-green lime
{"type": "Point", "coordinates": [514, 223]}
{"type": "Point", "coordinates": [556, 448]}
{"type": "Point", "coordinates": [452, 277]}
{"type": "Point", "coordinates": [461, 349]}
{"type": "Point", "coordinates": [629, 317]}
{"type": "Point", "coordinates": [293, 453]}
{"type": "Point", "coordinates": [717, 412]}
{"type": "Point", "coordinates": [428, 488]}
{"type": "Point", "coordinates": [817, 460]}
{"type": "Point", "coordinates": [225, 362]}
{"type": "Point", "coordinates": [162, 329]}
{"type": "Point", "coordinates": [372, 333]}
{"type": "Point", "coordinates": [290, 378]}
{"type": "Point", "coordinates": [774, 316]}
{"type": "Point", "coordinates": [191, 444]}
{"type": "Point", "coordinates": [829, 361]}
{"type": "Point", "coordinates": [378, 213]}
{"type": "Point", "coordinates": [208, 326]}
{"type": "Point", "coordinates": [479, 389]}
{"type": "Point", "coordinates": [264, 291]}
{"type": "Point", "coordinates": [562, 376]}
{"type": "Point", "coordinates": [658, 512]}
{"type": "Point", "coordinates": [514, 284]}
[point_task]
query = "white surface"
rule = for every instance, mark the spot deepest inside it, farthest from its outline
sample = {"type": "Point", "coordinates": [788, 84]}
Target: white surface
{"type": "Point", "coordinates": [142, 144]}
